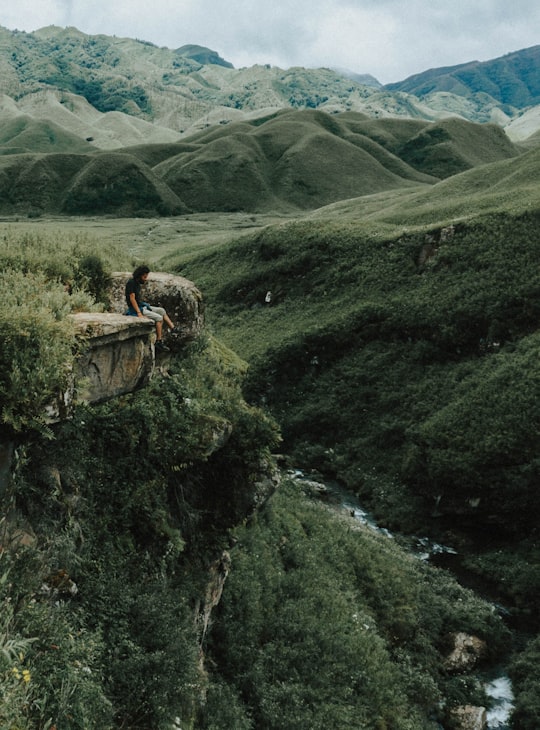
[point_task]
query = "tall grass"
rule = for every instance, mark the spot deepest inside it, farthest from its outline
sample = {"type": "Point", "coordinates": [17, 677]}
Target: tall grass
{"type": "Point", "coordinates": [43, 280]}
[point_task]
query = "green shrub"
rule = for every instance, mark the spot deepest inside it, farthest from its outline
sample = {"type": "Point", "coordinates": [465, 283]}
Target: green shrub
{"type": "Point", "coordinates": [15, 675]}
{"type": "Point", "coordinates": [60, 256]}
{"type": "Point", "coordinates": [92, 276]}
{"type": "Point", "coordinates": [36, 358]}
{"type": "Point", "coordinates": [525, 674]}
{"type": "Point", "coordinates": [43, 280]}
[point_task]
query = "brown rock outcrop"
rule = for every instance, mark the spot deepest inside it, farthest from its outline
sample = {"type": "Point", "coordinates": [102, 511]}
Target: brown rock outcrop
{"type": "Point", "coordinates": [118, 357]}
{"type": "Point", "coordinates": [117, 354]}
{"type": "Point", "coordinates": [466, 653]}
{"type": "Point", "coordinates": [469, 717]}
{"type": "Point", "coordinates": [179, 296]}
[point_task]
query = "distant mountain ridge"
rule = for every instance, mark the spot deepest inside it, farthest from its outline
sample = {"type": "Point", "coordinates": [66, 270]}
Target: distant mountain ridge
{"type": "Point", "coordinates": [190, 88]}
{"type": "Point", "coordinates": [203, 55]}
{"type": "Point", "coordinates": [94, 125]}
{"type": "Point", "coordinates": [513, 79]}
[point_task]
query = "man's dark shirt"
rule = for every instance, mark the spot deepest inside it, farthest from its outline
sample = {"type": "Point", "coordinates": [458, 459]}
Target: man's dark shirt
{"type": "Point", "coordinates": [133, 287]}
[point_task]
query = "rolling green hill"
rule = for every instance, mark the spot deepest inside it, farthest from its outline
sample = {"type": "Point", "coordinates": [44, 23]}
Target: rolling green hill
{"type": "Point", "coordinates": [286, 161]}
{"type": "Point", "coordinates": [25, 134]}
{"type": "Point", "coordinates": [79, 184]}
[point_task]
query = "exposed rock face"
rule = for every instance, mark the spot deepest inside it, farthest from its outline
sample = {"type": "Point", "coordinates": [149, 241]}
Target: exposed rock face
{"type": "Point", "coordinates": [467, 652]}
{"type": "Point", "coordinates": [218, 572]}
{"type": "Point", "coordinates": [269, 478]}
{"type": "Point", "coordinates": [119, 356]}
{"type": "Point", "coordinates": [180, 298]}
{"type": "Point", "coordinates": [117, 353]}
{"type": "Point", "coordinates": [469, 717]}
{"type": "Point", "coordinates": [16, 531]}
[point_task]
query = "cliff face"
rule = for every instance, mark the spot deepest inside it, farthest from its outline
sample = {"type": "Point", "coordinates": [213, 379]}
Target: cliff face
{"type": "Point", "coordinates": [110, 529]}
{"type": "Point", "coordinates": [118, 356]}
{"type": "Point", "coordinates": [117, 353]}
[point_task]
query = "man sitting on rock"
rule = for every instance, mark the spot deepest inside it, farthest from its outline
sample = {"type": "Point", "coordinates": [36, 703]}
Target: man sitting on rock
{"type": "Point", "coordinates": [138, 308]}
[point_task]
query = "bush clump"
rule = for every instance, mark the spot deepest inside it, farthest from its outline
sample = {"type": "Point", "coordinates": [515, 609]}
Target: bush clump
{"type": "Point", "coordinates": [43, 280]}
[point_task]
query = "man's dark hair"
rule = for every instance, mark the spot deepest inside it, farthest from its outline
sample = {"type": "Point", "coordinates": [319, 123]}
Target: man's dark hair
{"type": "Point", "coordinates": [140, 271]}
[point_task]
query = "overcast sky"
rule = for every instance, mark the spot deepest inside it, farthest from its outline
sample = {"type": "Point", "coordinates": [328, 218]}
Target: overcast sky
{"type": "Point", "coordinates": [389, 39]}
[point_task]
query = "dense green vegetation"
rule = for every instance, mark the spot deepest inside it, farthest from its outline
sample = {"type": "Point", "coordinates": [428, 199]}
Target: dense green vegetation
{"type": "Point", "coordinates": [111, 521]}
{"type": "Point", "coordinates": [419, 353]}
{"type": "Point", "coordinates": [129, 502]}
{"type": "Point", "coordinates": [339, 627]}
{"type": "Point", "coordinates": [417, 349]}
{"type": "Point", "coordinates": [395, 339]}
{"type": "Point", "coordinates": [44, 280]}
{"type": "Point", "coordinates": [525, 675]}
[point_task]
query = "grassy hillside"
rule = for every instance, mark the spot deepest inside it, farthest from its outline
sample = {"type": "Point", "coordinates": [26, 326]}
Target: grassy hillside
{"type": "Point", "coordinates": [393, 323]}
{"type": "Point", "coordinates": [332, 634]}
{"type": "Point", "coordinates": [120, 524]}
{"type": "Point", "coordinates": [285, 161]}
{"type": "Point", "coordinates": [37, 184]}
{"type": "Point", "coordinates": [24, 134]}
{"type": "Point", "coordinates": [76, 116]}
{"type": "Point", "coordinates": [121, 184]}
{"type": "Point", "coordinates": [395, 339]}
{"type": "Point", "coordinates": [453, 145]}
{"type": "Point", "coordinates": [295, 159]}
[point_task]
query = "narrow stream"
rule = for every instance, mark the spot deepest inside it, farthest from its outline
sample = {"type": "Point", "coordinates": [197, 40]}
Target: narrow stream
{"type": "Point", "coordinates": [497, 684]}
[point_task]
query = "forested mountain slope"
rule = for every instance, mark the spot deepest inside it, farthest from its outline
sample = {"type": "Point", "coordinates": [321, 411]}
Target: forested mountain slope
{"type": "Point", "coordinates": [512, 79]}
{"type": "Point", "coordinates": [187, 89]}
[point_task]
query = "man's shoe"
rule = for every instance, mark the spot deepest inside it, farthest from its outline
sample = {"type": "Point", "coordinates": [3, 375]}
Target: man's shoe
{"type": "Point", "coordinates": [160, 347]}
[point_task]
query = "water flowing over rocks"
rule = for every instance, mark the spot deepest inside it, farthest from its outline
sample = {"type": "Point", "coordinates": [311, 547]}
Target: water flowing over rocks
{"type": "Point", "coordinates": [467, 651]}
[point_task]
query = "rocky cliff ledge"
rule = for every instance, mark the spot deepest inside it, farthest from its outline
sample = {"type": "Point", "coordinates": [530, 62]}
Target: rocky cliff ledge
{"type": "Point", "coordinates": [117, 351]}
{"type": "Point", "coordinates": [180, 297]}
{"type": "Point", "coordinates": [118, 356]}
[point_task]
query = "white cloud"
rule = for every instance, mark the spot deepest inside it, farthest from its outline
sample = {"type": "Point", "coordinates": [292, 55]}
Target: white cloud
{"type": "Point", "coordinates": [390, 39]}
{"type": "Point", "coordinates": [28, 15]}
